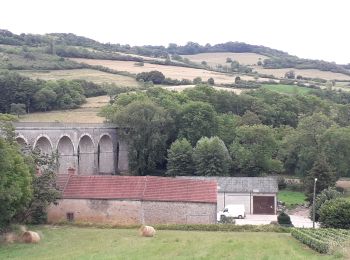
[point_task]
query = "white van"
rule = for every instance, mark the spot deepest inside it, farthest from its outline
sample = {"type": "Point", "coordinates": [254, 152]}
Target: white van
{"type": "Point", "coordinates": [233, 210]}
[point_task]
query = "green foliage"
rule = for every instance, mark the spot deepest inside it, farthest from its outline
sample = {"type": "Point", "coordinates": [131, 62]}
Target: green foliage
{"type": "Point", "coordinates": [223, 228]}
{"type": "Point", "coordinates": [180, 160]}
{"type": "Point", "coordinates": [211, 81]}
{"type": "Point", "coordinates": [18, 109]}
{"type": "Point", "coordinates": [326, 195]}
{"type": "Point", "coordinates": [197, 119]}
{"type": "Point", "coordinates": [33, 95]}
{"type": "Point", "coordinates": [325, 175]}
{"type": "Point", "coordinates": [284, 219]}
{"type": "Point", "coordinates": [15, 182]}
{"type": "Point", "coordinates": [335, 214]}
{"type": "Point", "coordinates": [147, 130]}
{"type": "Point", "coordinates": [227, 124]}
{"type": "Point", "coordinates": [322, 240]}
{"type": "Point", "coordinates": [254, 151]}
{"type": "Point", "coordinates": [211, 157]}
{"type": "Point", "coordinates": [154, 76]}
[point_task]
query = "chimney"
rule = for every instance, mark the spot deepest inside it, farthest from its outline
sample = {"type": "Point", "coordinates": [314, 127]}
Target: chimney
{"type": "Point", "coordinates": [71, 171]}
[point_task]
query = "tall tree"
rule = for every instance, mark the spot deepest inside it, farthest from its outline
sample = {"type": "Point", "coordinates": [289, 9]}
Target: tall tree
{"type": "Point", "coordinates": [197, 119]}
{"type": "Point", "coordinates": [211, 157]}
{"type": "Point", "coordinates": [180, 160]}
{"type": "Point", "coordinates": [146, 125]}
{"type": "Point", "coordinates": [15, 182]}
{"type": "Point", "coordinates": [324, 173]}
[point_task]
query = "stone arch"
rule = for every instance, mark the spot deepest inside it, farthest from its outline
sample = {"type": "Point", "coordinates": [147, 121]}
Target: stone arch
{"type": "Point", "coordinates": [22, 141]}
{"type": "Point", "coordinates": [86, 155]}
{"type": "Point", "coordinates": [66, 158]}
{"type": "Point", "coordinates": [44, 144]}
{"type": "Point", "coordinates": [105, 155]}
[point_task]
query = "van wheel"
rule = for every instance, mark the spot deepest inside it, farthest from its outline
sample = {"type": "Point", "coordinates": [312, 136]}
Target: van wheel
{"type": "Point", "coordinates": [240, 217]}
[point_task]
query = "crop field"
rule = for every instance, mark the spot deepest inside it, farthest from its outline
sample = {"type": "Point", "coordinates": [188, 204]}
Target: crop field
{"type": "Point", "coordinates": [96, 76]}
{"type": "Point", "coordinates": [87, 113]}
{"type": "Point", "coordinates": [173, 72]}
{"type": "Point", "coordinates": [92, 243]}
{"type": "Point", "coordinates": [216, 58]}
{"type": "Point", "coordinates": [323, 240]}
{"type": "Point", "coordinates": [287, 89]}
{"type": "Point", "coordinates": [310, 73]}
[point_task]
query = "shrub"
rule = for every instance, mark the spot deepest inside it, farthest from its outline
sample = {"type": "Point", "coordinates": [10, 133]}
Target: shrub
{"type": "Point", "coordinates": [284, 219]}
{"type": "Point", "coordinates": [325, 195]}
{"type": "Point", "coordinates": [335, 214]}
{"type": "Point", "coordinates": [281, 183]}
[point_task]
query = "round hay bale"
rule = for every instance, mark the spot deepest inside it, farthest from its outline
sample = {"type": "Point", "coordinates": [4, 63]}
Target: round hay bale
{"type": "Point", "coordinates": [30, 237]}
{"type": "Point", "coordinates": [147, 231]}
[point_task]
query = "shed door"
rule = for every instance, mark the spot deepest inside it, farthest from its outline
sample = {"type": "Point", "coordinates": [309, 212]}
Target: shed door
{"type": "Point", "coordinates": [263, 205]}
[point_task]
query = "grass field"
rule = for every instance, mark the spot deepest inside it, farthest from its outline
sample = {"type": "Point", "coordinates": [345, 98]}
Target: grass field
{"type": "Point", "coordinates": [86, 114]}
{"type": "Point", "coordinates": [173, 72]}
{"type": "Point", "coordinates": [291, 198]}
{"type": "Point", "coordinates": [92, 243]}
{"type": "Point", "coordinates": [287, 89]}
{"type": "Point", "coordinates": [86, 74]}
{"type": "Point", "coordinates": [182, 87]}
{"type": "Point", "coordinates": [216, 58]}
{"type": "Point", "coordinates": [310, 73]}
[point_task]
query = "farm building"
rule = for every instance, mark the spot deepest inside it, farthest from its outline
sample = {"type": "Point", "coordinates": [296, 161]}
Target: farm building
{"type": "Point", "coordinates": [258, 194]}
{"type": "Point", "coordinates": [126, 200]}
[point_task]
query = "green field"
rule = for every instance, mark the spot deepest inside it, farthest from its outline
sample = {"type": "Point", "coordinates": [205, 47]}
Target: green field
{"type": "Point", "coordinates": [287, 89]}
{"type": "Point", "coordinates": [291, 198]}
{"type": "Point", "coordinates": [93, 243]}
{"type": "Point", "coordinates": [96, 76]}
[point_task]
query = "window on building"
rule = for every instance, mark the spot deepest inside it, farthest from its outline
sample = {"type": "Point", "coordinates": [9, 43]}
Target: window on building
{"type": "Point", "coordinates": [70, 216]}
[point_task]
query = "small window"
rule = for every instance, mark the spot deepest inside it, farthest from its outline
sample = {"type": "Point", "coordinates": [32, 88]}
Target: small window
{"type": "Point", "coordinates": [70, 216]}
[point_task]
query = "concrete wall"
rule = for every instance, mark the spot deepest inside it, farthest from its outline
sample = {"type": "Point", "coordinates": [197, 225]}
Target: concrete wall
{"type": "Point", "coordinates": [241, 198]}
{"type": "Point", "coordinates": [128, 212]}
{"type": "Point", "coordinates": [89, 148]}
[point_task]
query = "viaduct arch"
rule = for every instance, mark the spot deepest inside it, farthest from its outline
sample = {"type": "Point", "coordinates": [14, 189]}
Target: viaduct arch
{"type": "Point", "coordinates": [89, 148]}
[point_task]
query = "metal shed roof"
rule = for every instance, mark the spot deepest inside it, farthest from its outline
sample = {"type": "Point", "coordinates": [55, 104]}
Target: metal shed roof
{"type": "Point", "coordinates": [242, 184]}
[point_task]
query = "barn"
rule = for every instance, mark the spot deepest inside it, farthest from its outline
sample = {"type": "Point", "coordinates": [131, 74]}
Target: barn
{"type": "Point", "coordinates": [258, 194]}
{"type": "Point", "coordinates": [127, 200]}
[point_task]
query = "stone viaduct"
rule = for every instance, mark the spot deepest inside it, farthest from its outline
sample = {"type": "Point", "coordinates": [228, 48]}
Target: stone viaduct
{"type": "Point", "coordinates": [89, 148]}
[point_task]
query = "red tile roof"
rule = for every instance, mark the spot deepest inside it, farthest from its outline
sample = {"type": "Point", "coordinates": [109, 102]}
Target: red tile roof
{"type": "Point", "coordinates": [148, 188]}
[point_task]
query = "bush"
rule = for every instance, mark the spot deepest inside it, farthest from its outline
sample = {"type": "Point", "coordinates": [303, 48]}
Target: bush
{"type": "Point", "coordinates": [281, 183]}
{"type": "Point", "coordinates": [325, 195]}
{"type": "Point", "coordinates": [284, 219]}
{"type": "Point", "coordinates": [335, 214]}
{"type": "Point", "coordinates": [227, 220]}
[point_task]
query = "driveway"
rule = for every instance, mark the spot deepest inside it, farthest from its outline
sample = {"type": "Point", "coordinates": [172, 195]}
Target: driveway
{"type": "Point", "coordinates": [298, 221]}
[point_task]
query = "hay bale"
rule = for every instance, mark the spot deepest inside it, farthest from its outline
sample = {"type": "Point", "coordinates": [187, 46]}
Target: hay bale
{"type": "Point", "coordinates": [30, 237]}
{"type": "Point", "coordinates": [147, 231]}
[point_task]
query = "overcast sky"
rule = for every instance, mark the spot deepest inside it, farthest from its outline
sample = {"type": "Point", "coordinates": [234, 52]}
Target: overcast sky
{"type": "Point", "coordinates": [316, 29]}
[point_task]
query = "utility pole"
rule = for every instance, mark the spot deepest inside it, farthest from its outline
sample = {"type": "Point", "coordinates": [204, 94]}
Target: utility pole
{"type": "Point", "coordinates": [313, 205]}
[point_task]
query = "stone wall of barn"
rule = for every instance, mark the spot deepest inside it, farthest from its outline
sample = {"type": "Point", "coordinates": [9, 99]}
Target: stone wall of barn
{"type": "Point", "coordinates": [128, 212]}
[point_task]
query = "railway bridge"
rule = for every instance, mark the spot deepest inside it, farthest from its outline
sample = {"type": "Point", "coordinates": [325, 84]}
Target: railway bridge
{"type": "Point", "coordinates": [91, 149]}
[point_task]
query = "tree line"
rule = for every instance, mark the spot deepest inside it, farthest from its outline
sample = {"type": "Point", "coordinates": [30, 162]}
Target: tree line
{"type": "Point", "coordinates": [253, 134]}
{"type": "Point", "coordinates": [40, 95]}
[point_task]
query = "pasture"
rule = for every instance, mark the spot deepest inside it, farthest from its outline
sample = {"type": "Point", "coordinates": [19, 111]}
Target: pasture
{"type": "Point", "coordinates": [87, 113]}
{"type": "Point", "coordinates": [183, 87]}
{"type": "Point", "coordinates": [291, 198]}
{"type": "Point", "coordinates": [96, 76]}
{"type": "Point", "coordinates": [91, 243]}
{"type": "Point", "coordinates": [215, 58]}
{"type": "Point", "coordinates": [173, 72]}
{"type": "Point", "coordinates": [287, 89]}
{"type": "Point", "coordinates": [309, 73]}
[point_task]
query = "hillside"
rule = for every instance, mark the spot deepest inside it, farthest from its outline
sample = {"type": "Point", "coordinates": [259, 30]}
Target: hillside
{"type": "Point", "coordinates": [233, 66]}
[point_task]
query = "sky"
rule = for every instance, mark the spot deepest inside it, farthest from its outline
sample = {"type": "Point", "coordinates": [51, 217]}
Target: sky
{"type": "Point", "coordinates": [315, 29]}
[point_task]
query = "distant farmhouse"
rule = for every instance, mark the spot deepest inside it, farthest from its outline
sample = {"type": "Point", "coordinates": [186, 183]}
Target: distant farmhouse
{"type": "Point", "coordinates": [257, 194]}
